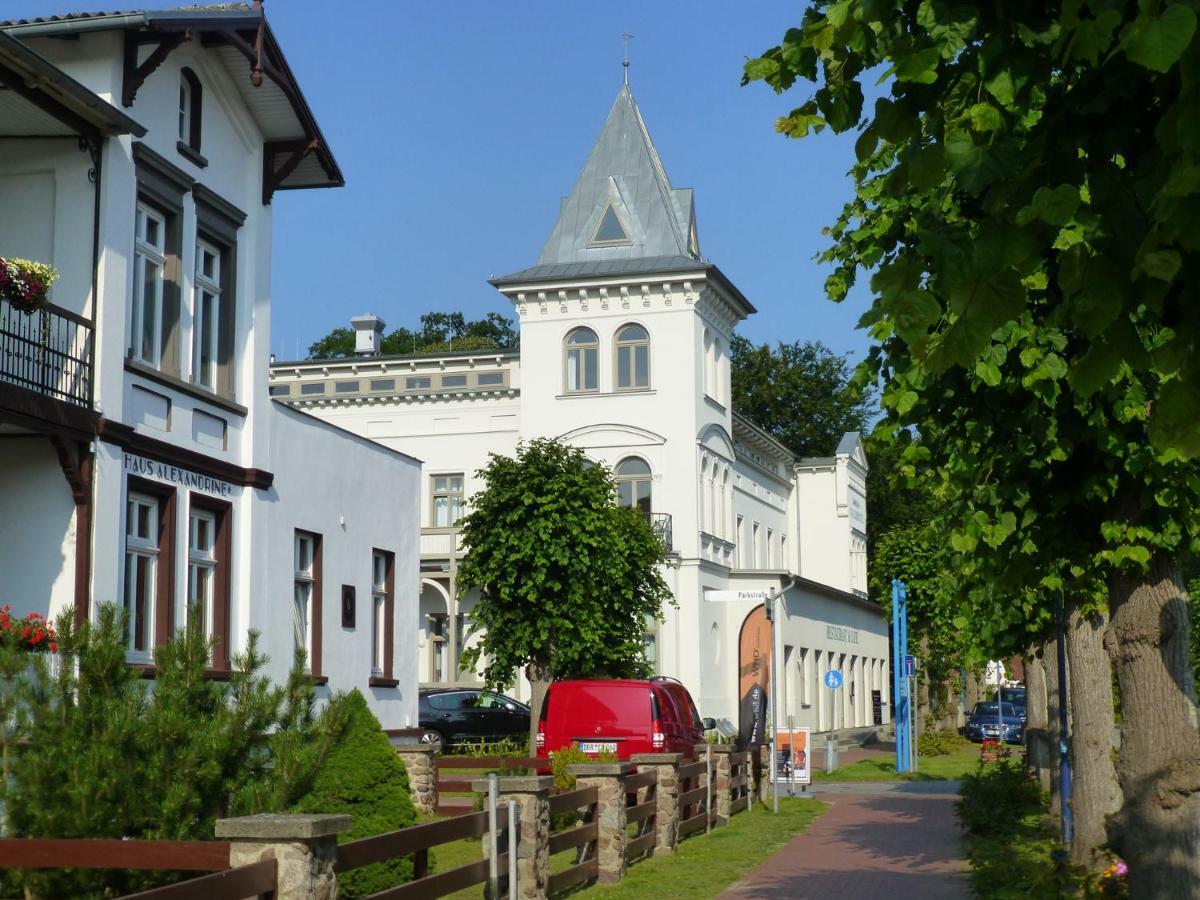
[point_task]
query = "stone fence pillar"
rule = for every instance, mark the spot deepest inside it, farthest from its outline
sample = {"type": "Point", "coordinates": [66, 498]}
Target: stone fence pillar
{"type": "Point", "coordinates": [609, 781]}
{"type": "Point", "coordinates": [666, 817]}
{"type": "Point", "coordinates": [764, 766]}
{"type": "Point", "coordinates": [304, 849]}
{"type": "Point", "coordinates": [421, 763]}
{"type": "Point", "coordinates": [723, 772]}
{"type": "Point", "coordinates": [532, 796]}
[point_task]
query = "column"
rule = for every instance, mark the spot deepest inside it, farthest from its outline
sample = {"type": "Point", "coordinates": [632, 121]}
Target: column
{"type": "Point", "coordinates": [666, 791]}
{"type": "Point", "coordinates": [609, 781]}
{"type": "Point", "coordinates": [303, 846]}
{"type": "Point", "coordinates": [722, 790]}
{"type": "Point", "coordinates": [532, 796]}
{"type": "Point", "coordinates": [421, 764]}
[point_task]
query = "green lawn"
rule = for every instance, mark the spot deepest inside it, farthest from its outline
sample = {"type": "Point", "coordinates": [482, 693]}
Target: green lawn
{"type": "Point", "coordinates": [953, 766]}
{"type": "Point", "coordinates": [706, 864]}
{"type": "Point", "coordinates": [703, 866]}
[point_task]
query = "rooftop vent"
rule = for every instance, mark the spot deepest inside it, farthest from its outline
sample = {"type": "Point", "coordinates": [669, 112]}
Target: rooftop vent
{"type": "Point", "coordinates": [368, 334]}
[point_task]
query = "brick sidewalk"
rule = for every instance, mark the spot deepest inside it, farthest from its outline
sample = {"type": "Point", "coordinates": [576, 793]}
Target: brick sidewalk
{"type": "Point", "coordinates": [893, 846]}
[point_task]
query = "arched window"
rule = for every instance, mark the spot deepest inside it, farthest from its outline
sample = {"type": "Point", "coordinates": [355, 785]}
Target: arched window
{"type": "Point", "coordinates": [633, 358]}
{"type": "Point", "coordinates": [633, 483]}
{"type": "Point", "coordinates": [581, 361]}
{"type": "Point", "coordinates": [190, 105]}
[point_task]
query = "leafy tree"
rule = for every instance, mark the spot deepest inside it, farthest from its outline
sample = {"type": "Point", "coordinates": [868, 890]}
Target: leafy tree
{"type": "Point", "coordinates": [363, 776]}
{"type": "Point", "coordinates": [566, 578]}
{"type": "Point", "coordinates": [1026, 196]}
{"type": "Point", "coordinates": [800, 393]}
{"type": "Point", "coordinates": [105, 756]}
{"type": "Point", "coordinates": [438, 333]}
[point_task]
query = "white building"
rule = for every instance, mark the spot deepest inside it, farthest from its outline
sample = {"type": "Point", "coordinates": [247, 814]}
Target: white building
{"type": "Point", "coordinates": [625, 333]}
{"type": "Point", "coordinates": [141, 458]}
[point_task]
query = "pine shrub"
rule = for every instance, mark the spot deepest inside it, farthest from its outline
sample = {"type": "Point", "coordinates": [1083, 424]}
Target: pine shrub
{"type": "Point", "coordinates": [363, 777]}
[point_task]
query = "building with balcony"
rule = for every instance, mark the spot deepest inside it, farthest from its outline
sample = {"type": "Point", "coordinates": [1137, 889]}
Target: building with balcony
{"type": "Point", "coordinates": [142, 460]}
{"type": "Point", "coordinates": [625, 332]}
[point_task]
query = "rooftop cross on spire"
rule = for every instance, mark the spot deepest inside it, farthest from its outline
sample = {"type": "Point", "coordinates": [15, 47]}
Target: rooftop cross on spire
{"type": "Point", "coordinates": [625, 36]}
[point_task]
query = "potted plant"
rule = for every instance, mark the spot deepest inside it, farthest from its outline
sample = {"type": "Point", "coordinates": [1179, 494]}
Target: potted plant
{"type": "Point", "coordinates": [25, 283]}
{"type": "Point", "coordinates": [989, 750]}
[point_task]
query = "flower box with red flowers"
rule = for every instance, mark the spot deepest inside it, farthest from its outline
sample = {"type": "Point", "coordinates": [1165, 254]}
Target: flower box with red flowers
{"type": "Point", "coordinates": [989, 750]}
{"type": "Point", "coordinates": [25, 283]}
{"type": "Point", "coordinates": [31, 633]}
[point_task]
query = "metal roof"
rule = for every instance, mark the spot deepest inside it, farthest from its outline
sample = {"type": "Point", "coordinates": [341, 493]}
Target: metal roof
{"type": "Point", "coordinates": [38, 98]}
{"type": "Point", "coordinates": [277, 104]}
{"type": "Point", "coordinates": [623, 172]}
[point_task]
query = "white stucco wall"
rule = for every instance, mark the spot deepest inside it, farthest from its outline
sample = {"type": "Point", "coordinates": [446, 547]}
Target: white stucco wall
{"type": "Point", "coordinates": [359, 497]}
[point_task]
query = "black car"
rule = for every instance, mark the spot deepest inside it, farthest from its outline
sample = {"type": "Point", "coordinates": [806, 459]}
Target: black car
{"type": "Point", "coordinates": [452, 716]}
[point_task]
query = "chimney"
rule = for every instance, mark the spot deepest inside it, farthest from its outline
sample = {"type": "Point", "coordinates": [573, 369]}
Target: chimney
{"type": "Point", "coordinates": [368, 334]}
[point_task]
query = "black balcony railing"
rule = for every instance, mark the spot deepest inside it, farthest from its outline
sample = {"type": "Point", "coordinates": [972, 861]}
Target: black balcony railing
{"type": "Point", "coordinates": [660, 524]}
{"type": "Point", "coordinates": [48, 351]}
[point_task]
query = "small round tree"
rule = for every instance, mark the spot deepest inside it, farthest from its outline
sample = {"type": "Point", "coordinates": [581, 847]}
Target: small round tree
{"type": "Point", "coordinates": [363, 777]}
{"type": "Point", "coordinates": [566, 578]}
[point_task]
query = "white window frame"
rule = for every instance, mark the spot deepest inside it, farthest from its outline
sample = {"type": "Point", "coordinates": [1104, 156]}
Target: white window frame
{"type": "Point", "coordinates": [145, 548]}
{"type": "Point", "coordinates": [577, 354]}
{"type": "Point", "coordinates": [379, 566]}
{"type": "Point", "coordinates": [147, 253]}
{"type": "Point", "coordinates": [303, 579]}
{"type": "Point", "coordinates": [456, 501]}
{"type": "Point", "coordinates": [740, 539]}
{"type": "Point", "coordinates": [754, 545]}
{"type": "Point", "coordinates": [185, 109]}
{"type": "Point", "coordinates": [202, 559]}
{"type": "Point", "coordinates": [631, 346]}
{"type": "Point", "coordinates": [207, 291]}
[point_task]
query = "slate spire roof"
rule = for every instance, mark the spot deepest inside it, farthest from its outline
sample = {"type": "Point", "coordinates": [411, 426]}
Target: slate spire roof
{"type": "Point", "coordinates": [623, 205]}
{"type": "Point", "coordinates": [623, 217]}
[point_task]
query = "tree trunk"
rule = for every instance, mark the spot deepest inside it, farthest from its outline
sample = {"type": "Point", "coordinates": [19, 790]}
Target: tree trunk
{"type": "Point", "coordinates": [1037, 734]}
{"type": "Point", "coordinates": [972, 691]}
{"type": "Point", "coordinates": [1157, 831]}
{"type": "Point", "coordinates": [1050, 663]}
{"type": "Point", "coordinates": [539, 680]}
{"type": "Point", "coordinates": [1095, 794]}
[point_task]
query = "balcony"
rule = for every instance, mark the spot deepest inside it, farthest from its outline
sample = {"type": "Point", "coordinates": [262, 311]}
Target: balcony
{"type": "Point", "coordinates": [440, 543]}
{"type": "Point", "coordinates": [660, 524]}
{"type": "Point", "coordinates": [48, 352]}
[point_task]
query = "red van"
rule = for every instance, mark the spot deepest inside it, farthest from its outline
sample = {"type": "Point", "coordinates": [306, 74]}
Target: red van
{"type": "Point", "coordinates": [620, 716]}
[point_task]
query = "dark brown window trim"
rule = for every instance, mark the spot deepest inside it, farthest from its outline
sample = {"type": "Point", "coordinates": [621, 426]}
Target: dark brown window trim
{"type": "Point", "coordinates": [185, 387]}
{"type": "Point", "coordinates": [389, 615]}
{"type": "Point", "coordinates": [126, 438]}
{"type": "Point", "coordinates": [315, 614]}
{"type": "Point", "coordinates": [222, 511]}
{"type": "Point", "coordinates": [161, 169]}
{"type": "Point", "coordinates": [378, 681]}
{"type": "Point", "coordinates": [192, 156]}
{"type": "Point", "coordinates": [149, 671]}
{"type": "Point", "coordinates": [164, 569]}
{"type": "Point", "coordinates": [234, 217]}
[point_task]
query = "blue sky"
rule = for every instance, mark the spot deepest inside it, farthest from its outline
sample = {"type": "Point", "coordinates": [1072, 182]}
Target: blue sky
{"type": "Point", "coordinates": [459, 125]}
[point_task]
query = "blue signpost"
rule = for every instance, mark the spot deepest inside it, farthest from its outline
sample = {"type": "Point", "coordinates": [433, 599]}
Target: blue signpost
{"type": "Point", "coordinates": [900, 681]}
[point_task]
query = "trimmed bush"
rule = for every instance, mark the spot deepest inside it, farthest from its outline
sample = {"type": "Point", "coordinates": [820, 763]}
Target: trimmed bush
{"type": "Point", "coordinates": [936, 743]}
{"type": "Point", "coordinates": [363, 777]}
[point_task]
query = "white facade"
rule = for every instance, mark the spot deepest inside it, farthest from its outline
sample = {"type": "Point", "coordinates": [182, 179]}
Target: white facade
{"type": "Point", "coordinates": [625, 331]}
{"type": "Point", "coordinates": [145, 382]}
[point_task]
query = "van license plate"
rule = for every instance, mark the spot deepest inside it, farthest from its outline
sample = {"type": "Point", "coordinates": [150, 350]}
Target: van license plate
{"type": "Point", "coordinates": [598, 746]}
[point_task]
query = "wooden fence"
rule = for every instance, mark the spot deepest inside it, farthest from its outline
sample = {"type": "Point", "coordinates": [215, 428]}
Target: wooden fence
{"type": "Point", "coordinates": [575, 818]}
{"type": "Point", "coordinates": [448, 783]}
{"type": "Point", "coordinates": [416, 841]}
{"type": "Point", "coordinates": [224, 883]}
{"type": "Point", "coordinates": [580, 837]}
{"type": "Point", "coordinates": [641, 814]}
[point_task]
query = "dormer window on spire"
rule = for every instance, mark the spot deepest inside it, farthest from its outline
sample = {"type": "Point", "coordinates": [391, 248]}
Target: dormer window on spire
{"type": "Point", "coordinates": [610, 230]}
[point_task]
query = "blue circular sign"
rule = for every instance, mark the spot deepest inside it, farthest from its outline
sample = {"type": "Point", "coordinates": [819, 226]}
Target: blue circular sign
{"type": "Point", "coordinates": [833, 679]}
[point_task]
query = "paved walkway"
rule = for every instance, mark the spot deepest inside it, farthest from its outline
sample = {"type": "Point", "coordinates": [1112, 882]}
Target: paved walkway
{"type": "Point", "coordinates": [878, 840]}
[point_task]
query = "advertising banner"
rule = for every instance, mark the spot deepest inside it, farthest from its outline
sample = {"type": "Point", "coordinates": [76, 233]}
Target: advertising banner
{"type": "Point", "coordinates": [792, 755]}
{"type": "Point", "coordinates": [754, 674]}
